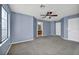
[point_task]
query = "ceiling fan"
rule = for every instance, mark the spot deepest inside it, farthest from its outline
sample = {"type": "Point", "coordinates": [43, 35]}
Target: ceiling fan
{"type": "Point", "coordinates": [49, 14]}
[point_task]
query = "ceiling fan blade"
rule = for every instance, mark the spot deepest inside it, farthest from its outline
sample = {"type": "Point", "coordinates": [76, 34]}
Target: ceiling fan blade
{"type": "Point", "coordinates": [53, 15]}
{"type": "Point", "coordinates": [43, 15]}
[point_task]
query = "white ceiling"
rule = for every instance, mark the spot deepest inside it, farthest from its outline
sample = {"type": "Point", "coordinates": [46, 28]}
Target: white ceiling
{"type": "Point", "coordinates": [35, 10]}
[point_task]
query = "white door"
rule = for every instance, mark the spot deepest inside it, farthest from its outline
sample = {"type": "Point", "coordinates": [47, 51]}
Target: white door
{"type": "Point", "coordinates": [58, 28]}
{"type": "Point", "coordinates": [73, 29]}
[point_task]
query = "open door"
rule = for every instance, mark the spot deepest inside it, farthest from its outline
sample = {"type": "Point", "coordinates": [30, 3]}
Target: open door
{"type": "Point", "coordinates": [39, 29]}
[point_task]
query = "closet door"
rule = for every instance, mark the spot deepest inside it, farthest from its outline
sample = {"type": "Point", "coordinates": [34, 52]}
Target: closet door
{"type": "Point", "coordinates": [58, 28]}
{"type": "Point", "coordinates": [73, 29]}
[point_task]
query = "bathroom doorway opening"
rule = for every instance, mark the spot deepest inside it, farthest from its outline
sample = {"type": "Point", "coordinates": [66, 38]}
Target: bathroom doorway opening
{"type": "Point", "coordinates": [39, 29]}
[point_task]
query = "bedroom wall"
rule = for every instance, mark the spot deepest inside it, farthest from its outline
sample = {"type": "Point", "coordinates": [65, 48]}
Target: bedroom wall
{"type": "Point", "coordinates": [47, 28]}
{"type": "Point", "coordinates": [53, 28]}
{"type": "Point", "coordinates": [34, 27]}
{"type": "Point", "coordinates": [21, 27]}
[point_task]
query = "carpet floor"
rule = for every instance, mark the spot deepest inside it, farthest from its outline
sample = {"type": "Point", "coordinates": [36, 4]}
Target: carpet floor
{"type": "Point", "coordinates": [52, 45]}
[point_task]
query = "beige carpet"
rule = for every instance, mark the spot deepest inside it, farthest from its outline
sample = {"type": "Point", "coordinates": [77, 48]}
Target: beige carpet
{"type": "Point", "coordinates": [45, 46]}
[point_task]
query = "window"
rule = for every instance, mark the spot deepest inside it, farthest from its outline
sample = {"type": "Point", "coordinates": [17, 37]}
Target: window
{"type": "Point", "coordinates": [4, 25]}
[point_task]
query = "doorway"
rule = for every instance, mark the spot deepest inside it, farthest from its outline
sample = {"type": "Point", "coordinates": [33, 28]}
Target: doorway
{"type": "Point", "coordinates": [58, 28]}
{"type": "Point", "coordinates": [39, 29]}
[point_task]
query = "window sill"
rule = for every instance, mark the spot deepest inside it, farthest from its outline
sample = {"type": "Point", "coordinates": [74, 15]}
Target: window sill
{"type": "Point", "coordinates": [3, 42]}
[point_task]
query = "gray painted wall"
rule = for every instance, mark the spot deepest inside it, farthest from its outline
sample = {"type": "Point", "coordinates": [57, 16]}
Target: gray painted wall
{"type": "Point", "coordinates": [5, 47]}
{"type": "Point", "coordinates": [47, 28]}
{"type": "Point", "coordinates": [34, 27]}
{"type": "Point", "coordinates": [53, 28]}
{"type": "Point", "coordinates": [21, 27]}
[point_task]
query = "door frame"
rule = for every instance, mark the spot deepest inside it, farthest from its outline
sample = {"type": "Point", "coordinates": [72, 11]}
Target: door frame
{"type": "Point", "coordinates": [37, 29]}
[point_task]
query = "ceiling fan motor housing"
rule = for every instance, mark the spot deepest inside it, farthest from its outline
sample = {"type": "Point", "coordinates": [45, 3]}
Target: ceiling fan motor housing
{"type": "Point", "coordinates": [49, 13]}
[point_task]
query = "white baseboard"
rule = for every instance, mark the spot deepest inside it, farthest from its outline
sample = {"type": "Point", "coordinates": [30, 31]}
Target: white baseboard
{"type": "Point", "coordinates": [16, 43]}
{"type": "Point", "coordinates": [70, 40]}
{"type": "Point", "coordinates": [8, 49]}
{"type": "Point", "coordinates": [22, 41]}
{"type": "Point", "coordinates": [64, 38]}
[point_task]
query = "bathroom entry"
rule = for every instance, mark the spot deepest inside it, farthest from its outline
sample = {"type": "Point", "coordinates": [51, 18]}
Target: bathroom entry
{"type": "Point", "coordinates": [39, 29]}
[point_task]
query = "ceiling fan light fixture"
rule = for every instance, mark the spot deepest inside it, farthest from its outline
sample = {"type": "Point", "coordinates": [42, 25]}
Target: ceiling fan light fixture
{"type": "Point", "coordinates": [42, 6]}
{"type": "Point", "coordinates": [48, 14]}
